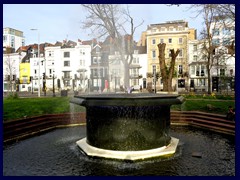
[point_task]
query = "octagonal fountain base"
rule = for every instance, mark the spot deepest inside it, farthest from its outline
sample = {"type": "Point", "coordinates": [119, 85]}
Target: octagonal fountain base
{"type": "Point", "coordinates": [128, 155]}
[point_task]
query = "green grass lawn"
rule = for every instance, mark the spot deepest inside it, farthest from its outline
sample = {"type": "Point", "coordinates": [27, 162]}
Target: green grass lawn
{"type": "Point", "coordinates": [217, 107]}
{"type": "Point", "coordinates": [21, 107]}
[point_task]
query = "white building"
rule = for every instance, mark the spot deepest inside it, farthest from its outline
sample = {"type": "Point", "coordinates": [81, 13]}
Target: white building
{"type": "Point", "coordinates": [11, 63]}
{"type": "Point", "coordinates": [13, 38]}
{"type": "Point", "coordinates": [223, 38]}
{"type": "Point", "coordinates": [69, 65]}
{"type": "Point", "coordinates": [222, 65]}
{"type": "Point", "coordinates": [198, 79]}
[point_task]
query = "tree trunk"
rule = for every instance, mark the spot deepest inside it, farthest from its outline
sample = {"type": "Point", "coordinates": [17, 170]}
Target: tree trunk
{"type": "Point", "coordinates": [161, 57]}
{"type": "Point", "coordinates": [171, 68]}
{"type": "Point", "coordinates": [167, 75]}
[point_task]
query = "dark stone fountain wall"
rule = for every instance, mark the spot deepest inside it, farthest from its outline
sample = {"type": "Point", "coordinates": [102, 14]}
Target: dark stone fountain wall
{"type": "Point", "coordinates": [128, 122]}
{"type": "Point", "coordinates": [128, 128]}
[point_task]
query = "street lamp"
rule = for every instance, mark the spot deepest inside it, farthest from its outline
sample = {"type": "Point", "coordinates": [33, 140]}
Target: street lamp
{"type": "Point", "coordinates": [39, 87]}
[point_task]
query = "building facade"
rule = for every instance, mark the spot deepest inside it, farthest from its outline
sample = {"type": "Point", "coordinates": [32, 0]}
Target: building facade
{"type": "Point", "coordinates": [175, 34]}
{"type": "Point", "coordinates": [13, 38]}
{"type": "Point", "coordinates": [223, 39]}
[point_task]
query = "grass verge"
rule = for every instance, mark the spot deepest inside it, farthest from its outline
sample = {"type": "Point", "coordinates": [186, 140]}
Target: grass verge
{"type": "Point", "coordinates": [15, 108]}
{"type": "Point", "coordinates": [28, 107]}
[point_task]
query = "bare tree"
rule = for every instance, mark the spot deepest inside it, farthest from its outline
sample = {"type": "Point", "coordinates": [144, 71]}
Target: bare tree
{"type": "Point", "coordinates": [212, 13]}
{"type": "Point", "coordinates": [109, 20]}
{"type": "Point", "coordinates": [10, 69]}
{"type": "Point", "coordinates": [167, 73]}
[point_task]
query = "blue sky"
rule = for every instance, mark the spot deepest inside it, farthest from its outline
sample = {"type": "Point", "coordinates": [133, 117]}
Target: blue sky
{"type": "Point", "coordinates": [56, 22]}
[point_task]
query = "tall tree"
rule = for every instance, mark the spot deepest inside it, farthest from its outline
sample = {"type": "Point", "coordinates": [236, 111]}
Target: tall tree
{"type": "Point", "coordinates": [212, 13]}
{"type": "Point", "coordinates": [167, 73]}
{"type": "Point", "coordinates": [109, 20]}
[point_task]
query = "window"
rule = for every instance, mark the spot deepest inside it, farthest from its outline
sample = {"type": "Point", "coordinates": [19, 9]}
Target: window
{"type": "Point", "coordinates": [153, 41]}
{"type": "Point", "coordinates": [135, 51]}
{"type": "Point", "coordinates": [4, 38]}
{"type": "Point", "coordinates": [135, 60]}
{"type": "Point", "coordinates": [162, 28]}
{"type": "Point", "coordinates": [202, 70]}
{"type": "Point", "coordinates": [66, 74]}
{"type": "Point", "coordinates": [180, 40]}
{"type": "Point", "coordinates": [170, 28]}
{"type": "Point", "coordinates": [95, 82]}
{"type": "Point", "coordinates": [154, 69]}
{"type": "Point", "coordinates": [226, 41]}
{"type": "Point", "coordinates": [66, 54]}
{"type": "Point", "coordinates": [181, 83]}
{"type": "Point", "coordinates": [95, 60]}
{"type": "Point", "coordinates": [95, 72]}
{"type": "Point", "coordinates": [194, 47]}
{"type": "Point", "coordinates": [153, 54]}
{"type": "Point", "coordinates": [180, 53]}
{"type": "Point", "coordinates": [12, 41]}
{"type": "Point", "coordinates": [201, 82]}
{"type": "Point", "coordinates": [82, 62]}
{"type": "Point", "coordinates": [66, 63]}
{"type": "Point", "coordinates": [82, 51]}
{"type": "Point", "coordinates": [97, 49]}
{"type": "Point", "coordinates": [222, 72]}
{"type": "Point", "coordinates": [51, 53]}
{"type": "Point", "coordinates": [67, 83]}
{"type": "Point", "coordinates": [161, 40]}
{"type": "Point", "coordinates": [192, 70]}
{"type": "Point", "coordinates": [226, 31]}
{"type": "Point", "coordinates": [170, 40]}
{"type": "Point", "coordinates": [154, 30]}
{"type": "Point", "coordinates": [194, 58]}
{"type": "Point", "coordinates": [216, 42]}
{"type": "Point", "coordinates": [23, 42]}
{"type": "Point", "coordinates": [215, 32]}
{"type": "Point", "coordinates": [180, 28]}
{"type": "Point", "coordinates": [197, 70]}
{"type": "Point", "coordinates": [180, 69]}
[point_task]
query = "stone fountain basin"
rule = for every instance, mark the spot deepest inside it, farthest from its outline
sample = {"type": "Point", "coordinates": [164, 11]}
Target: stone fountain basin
{"type": "Point", "coordinates": [127, 99]}
{"type": "Point", "coordinates": [128, 126]}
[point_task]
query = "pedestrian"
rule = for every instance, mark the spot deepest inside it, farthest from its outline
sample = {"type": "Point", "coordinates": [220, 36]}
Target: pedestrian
{"type": "Point", "coordinates": [231, 113]}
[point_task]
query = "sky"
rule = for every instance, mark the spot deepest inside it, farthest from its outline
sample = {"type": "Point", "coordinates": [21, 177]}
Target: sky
{"type": "Point", "coordinates": [56, 22]}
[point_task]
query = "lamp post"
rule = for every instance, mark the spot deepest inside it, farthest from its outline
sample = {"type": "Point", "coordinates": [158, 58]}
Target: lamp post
{"type": "Point", "coordinates": [54, 86]}
{"type": "Point", "coordinates": [39, 87]}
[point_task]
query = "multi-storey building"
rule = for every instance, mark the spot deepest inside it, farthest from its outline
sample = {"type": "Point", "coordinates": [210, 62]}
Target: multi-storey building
{"type": "Point", "coordinates": [13, 38]}
{"type": "Point", "coordinates": [60, 66]}
{"type": "Point", "coordinates": [11, 61]}
{"type": "Point", "coordinates": [198, 78]}
{"type": "Point", "coordinates": [176, 35]}
{"type": "Point", "coordinates": [223, 39]}
{"type": "Point", "coordinates": [68, 64]}
{"type": "Point", "coordinates": [99, 77]}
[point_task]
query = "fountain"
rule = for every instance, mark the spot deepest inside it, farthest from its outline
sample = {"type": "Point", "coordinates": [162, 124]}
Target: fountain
{"type": "Point", "coordinates": [128, 126]}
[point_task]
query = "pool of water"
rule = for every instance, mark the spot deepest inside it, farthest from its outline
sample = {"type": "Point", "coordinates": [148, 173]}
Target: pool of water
{"type": "Point", "coordinates": [56, 154]}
